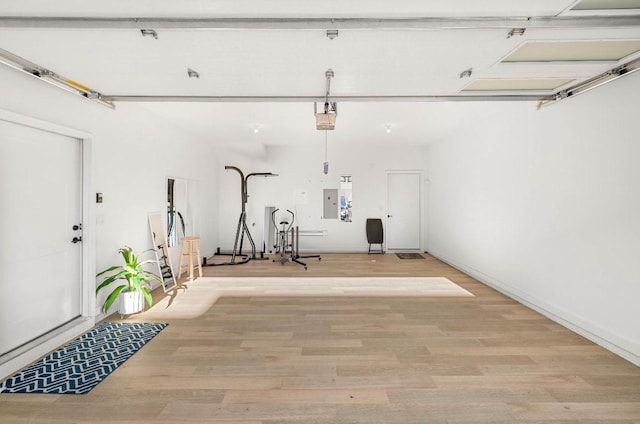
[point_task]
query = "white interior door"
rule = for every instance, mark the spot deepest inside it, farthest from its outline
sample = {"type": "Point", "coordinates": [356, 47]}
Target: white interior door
{"type": "Point", "coordinates": [40, 203]}
{"type": "Point", "coordinates": [404, 211]}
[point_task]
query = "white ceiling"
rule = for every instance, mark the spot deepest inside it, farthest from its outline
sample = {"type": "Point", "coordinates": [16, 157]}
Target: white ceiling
{"type": "Point", "coordinates": [249, 50]}
{"type": "Point", "coordinates": [283, 8]}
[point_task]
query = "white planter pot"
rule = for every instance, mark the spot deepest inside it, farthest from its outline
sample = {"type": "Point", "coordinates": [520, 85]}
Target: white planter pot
{"type": "Point", "coordinates": [130, 303]}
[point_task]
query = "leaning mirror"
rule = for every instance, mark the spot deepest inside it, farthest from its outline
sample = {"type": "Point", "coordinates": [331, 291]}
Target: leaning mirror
{"type": "Point", "coordinates": [182, 216]}
{"type": "Point", "coordinates": [159, 243]}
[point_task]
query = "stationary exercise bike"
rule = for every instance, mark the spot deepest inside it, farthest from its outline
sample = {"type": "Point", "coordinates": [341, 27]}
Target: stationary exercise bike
{"type": "Point", "coordinates": [287, 241]}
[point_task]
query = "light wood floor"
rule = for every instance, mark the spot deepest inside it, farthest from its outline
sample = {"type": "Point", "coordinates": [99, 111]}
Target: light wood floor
{"type": "Point", "coordinates": [351, 359]}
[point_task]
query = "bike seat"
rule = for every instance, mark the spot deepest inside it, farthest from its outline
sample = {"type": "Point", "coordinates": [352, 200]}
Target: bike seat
{"type": "Point", "coordinates": [284, 222]}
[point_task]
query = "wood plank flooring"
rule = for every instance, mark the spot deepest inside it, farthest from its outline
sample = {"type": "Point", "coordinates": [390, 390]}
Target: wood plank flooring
{"type": "Point", "coordinates": [293, 359]}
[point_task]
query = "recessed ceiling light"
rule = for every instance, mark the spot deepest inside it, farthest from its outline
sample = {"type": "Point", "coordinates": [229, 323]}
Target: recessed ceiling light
{"type": "Point", "coordinates": [388, 129]}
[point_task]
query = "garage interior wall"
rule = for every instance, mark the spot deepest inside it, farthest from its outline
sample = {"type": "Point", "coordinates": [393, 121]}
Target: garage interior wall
{"type": "Point", "coordinates": [133, 154]}
{"type": "Point", "coordinates": [541, 204]}
{"type": "Point", "coordinates": [300, 183]}
{"type": "Point", "coordinates": [545, 206]}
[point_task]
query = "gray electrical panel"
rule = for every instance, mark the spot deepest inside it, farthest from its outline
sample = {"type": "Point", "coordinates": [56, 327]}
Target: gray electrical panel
{"type": "Point", "coordinates": [330, 203]}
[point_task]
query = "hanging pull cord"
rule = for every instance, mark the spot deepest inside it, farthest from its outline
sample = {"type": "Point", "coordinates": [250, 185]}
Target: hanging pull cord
{"type": "Point", "coordinates": [325, 165]}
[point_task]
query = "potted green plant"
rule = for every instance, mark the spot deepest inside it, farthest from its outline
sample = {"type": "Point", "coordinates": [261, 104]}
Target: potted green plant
{"type": "Point", "coordinates": [137, 287]}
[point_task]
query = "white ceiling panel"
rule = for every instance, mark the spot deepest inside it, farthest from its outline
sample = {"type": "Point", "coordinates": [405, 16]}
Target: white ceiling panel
{"type": "Point", "coordinates": [282, 8]}
{"type": "Point", "coordinates": [260, 63]}
{"type": "Point", "coordinates": [283, 62]}
{"type": "Point", "coordinates": [278, 50]}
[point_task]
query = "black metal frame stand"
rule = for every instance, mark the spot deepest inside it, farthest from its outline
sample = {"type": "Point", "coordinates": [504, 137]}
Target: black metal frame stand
{"type": "Point", "coordinates": [242, 228]}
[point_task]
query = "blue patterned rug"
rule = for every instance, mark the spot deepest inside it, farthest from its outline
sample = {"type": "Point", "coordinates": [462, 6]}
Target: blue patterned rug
{"type": "Point", "coordinates": [79, 366]}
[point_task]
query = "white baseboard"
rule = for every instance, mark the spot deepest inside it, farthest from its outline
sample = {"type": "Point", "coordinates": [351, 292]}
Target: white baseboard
{"type": "Point", "coordinates": [573, 323]}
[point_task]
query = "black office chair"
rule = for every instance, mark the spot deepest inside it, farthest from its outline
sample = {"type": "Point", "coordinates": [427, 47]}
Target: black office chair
{"type": "Point", "coordinates": [375, 233]}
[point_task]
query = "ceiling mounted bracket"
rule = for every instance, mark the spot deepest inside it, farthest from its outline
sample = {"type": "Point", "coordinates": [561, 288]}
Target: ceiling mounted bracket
{"type": "Point", "coordinates": [327, 120]}
{"type": "Point", "coordinates": [516, 31]}
{"type": "Point", "coordinates": [147, 32]}
{"type": "Point", "coordinates": [192, 73]}
{"type": "Point", "coordinates": [466, 73]}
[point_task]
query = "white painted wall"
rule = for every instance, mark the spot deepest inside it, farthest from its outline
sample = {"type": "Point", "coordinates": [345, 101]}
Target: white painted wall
{"type": "Point", "coordinates": [301, 168]}
{"type": "Point", "coordinates": [133, 153]}
{"type": "Point", "coordinates": [545, 205]}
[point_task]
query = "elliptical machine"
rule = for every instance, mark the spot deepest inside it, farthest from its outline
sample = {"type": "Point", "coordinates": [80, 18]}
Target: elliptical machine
{"type": "Point", "coordinates": [287, 241]}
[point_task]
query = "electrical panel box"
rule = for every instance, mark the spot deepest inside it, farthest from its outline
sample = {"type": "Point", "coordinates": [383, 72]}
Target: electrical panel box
{"type": "Point", "coordinates": [330, 203]}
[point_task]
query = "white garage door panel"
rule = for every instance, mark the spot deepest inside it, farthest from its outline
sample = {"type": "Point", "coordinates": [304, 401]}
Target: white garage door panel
{"type": "Point", "coordinates": [40, 202]}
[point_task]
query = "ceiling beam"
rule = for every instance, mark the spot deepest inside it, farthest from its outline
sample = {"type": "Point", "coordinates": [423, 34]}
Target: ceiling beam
{"type": "Point", "coordinates": [258, 99]}
{"type": "Point", "coordinates": [427, 23]}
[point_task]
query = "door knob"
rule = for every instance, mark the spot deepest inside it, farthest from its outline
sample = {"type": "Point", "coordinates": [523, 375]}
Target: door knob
{"type": "Point", "coordinates": [76, 239]}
